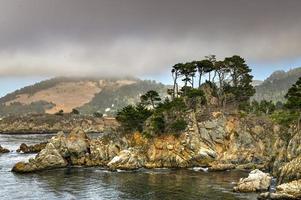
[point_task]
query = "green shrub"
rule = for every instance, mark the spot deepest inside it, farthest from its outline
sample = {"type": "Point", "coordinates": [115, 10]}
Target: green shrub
{"type": "Point", "coordinates": [285, 117]}
{"type": "Point", "coordinates": [158, 124]}
{"type": "Point", "coordinates": [179, 125]}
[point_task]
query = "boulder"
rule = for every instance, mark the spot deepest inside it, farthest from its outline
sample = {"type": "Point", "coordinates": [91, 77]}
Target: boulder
{"type": "Point", "coordinates": [3, 150]}
{"type": "Point", "coordinates": [48, 158]}
{"type": "Point", "coordinates": [257, 181]}
{"type": "Point", "coordinates": [24, 148]}
{"type": "Point", "coordinates": [287, 191]}
{"type": "Point", "coordinates": [127, 159]}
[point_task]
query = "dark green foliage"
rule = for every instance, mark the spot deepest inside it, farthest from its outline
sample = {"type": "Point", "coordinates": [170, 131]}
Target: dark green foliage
{"type": "Point", "coordinates": [178, 125]}
{"type": "Point", "coordinates": [267, 107]}
{"type": "Point", "coordinates": [285, 117]}
{"type": "Point", "coordinates": [241, 79]}
{"type": "Point", "coordinates": [132, 118]}
{"type": "Point", "coordinates": [150, 98]}
{"type": "Point", "coordinates": [234, 84]}
{"type": "Point", "coordinates": [293, 96]}
{"type": "Point", "coordinates": [194, 96]}
{"type": "Point", "coordinates": [75, 112]}
{"type": "Point", "coordinates": [158, 123]}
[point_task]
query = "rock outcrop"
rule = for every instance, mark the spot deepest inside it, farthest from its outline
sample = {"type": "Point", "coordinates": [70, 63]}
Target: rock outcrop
{"type": "Point", "coordinates": [257, 181]}
{"type": "Point", "coordinates": [46, 123]}
{"type": "Point", "coordinates": [286, 191]}
{"type": "Point", "coordinates": [220, 143]}
{"type": "Point", "coordinates": [3, 150]}
{"type": "Point", "coordinates": [36, 148]}
{"type": "Point", "coordinates": [74, 149]}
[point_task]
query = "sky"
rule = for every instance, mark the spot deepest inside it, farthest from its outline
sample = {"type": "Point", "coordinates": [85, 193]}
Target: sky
{"type": "Point", "coordinates": [47, 38]}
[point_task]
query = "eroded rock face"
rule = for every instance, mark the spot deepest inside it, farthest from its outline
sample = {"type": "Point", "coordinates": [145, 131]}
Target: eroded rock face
{"type": "Point", "coordinates": [3, 150]}
{"type": "Point", "coordinates": [77, 142]}
{"type": "Point", "coordinates": [127, 159]}
{"type": "Point", "coordinates": [24, 148]}
{"type": "Point", "coordinates": [256, 181]}
{"type": "Point", "coordinates": [290, 171]}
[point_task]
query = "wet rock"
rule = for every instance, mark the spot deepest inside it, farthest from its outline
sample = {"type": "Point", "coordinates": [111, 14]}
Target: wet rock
{"type": "Point", "coordinates": [257, 181]}
{"type": "Point", "coordinates": [3, 150]}
{"type": "Point", "coordinates": [48, 158]}
{"type": "Point", "coordinates": [285, 191]}
{"type": "Point", "coordinates": [221, 167]}
{"type": "Point", "coordinates": [24, 148]}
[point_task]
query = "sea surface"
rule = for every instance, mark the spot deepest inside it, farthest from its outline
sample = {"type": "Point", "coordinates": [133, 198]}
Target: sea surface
{"type": "Point", "coordinates": [98, 183]}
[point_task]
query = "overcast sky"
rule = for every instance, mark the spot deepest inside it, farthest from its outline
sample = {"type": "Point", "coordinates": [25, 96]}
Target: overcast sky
{"type": "Point", "coordinates": [46, 38]}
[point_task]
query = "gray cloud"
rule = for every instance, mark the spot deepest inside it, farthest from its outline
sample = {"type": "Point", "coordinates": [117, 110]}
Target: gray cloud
{"type": "Point", "coordinates": [135, 37]}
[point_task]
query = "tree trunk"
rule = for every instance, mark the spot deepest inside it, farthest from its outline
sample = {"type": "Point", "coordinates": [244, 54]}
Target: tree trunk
{"type": "Point", "coordinates": [200, 79]}
{"type": "Point", "coordinates": [174, 85]}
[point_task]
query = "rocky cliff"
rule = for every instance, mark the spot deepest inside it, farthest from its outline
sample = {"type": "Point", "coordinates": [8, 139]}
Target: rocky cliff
{"type": "Point", "coordinates": [220, 142]}
{"type": "Point", "coordinates": [47, 123]}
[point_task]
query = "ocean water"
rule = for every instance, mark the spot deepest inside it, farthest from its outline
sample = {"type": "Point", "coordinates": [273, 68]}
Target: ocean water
{"type": "Point", "coordinates": [98, 183]}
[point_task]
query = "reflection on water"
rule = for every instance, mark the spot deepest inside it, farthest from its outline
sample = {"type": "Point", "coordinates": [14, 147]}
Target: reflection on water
{"type": "Point", "coordinates": [97, 183]}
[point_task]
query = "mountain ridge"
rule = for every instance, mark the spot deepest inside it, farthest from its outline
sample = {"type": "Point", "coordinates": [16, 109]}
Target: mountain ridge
{"type": "Point", "coordinates": [68, 93]}
{"type": "Point", "coordinates": [275, 87]}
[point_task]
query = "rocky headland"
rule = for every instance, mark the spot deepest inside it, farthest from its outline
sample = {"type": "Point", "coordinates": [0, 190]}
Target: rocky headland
{"type": "Point", "coordinates": [222, 142]}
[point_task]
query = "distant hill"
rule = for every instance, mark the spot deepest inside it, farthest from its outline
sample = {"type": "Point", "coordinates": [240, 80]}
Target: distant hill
{"type": "Point", "coordinates": [275, 87]}
{"type": "Point", "coordinates": [89, 95]}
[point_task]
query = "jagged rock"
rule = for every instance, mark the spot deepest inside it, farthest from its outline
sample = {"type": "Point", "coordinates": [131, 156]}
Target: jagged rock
{"type": "Point", "coordinates": [24, 148]}
{"type": "Point", "coordinates": [257, 181]}
{"type": "Point", "coordinates": [287, 191]}
{"type": "Point", "coordinates": [3, 150]}
{"type": "Point", "coordinates": [77, 142]}
{"type": "Point", "coordinates": [48, 158]}
{"type": "Point", "coordinates": [290, 171]}
{"type": "Point", "coordinates": [127, 159]}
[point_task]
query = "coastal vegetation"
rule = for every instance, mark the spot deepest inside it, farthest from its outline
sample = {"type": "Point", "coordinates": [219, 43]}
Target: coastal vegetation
{"type": "Point", "coordinates": [220, 84]}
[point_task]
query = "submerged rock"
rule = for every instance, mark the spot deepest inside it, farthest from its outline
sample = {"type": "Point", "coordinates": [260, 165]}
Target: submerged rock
{"type": "Point", "coordinates": [257, 181]}
{"type": "Point", "coordinates": [3, 150]}
{"type": "Point", "coordinates": [36, 148]}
